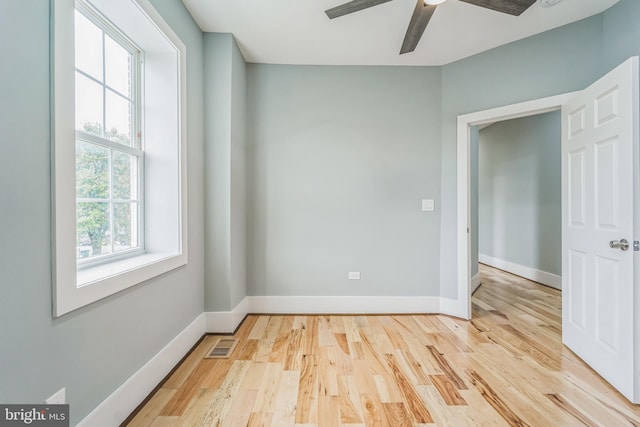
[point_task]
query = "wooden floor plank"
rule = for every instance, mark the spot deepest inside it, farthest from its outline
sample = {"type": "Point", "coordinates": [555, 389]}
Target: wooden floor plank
{"type": "Point", "coordinates": [449, 393]}
{"type": "Point", "coordinates": [307, 407]}
{"type": "Point", "coordinates": [153, 408]}
{"type": "Point", "coordinates": [185, 369]}
{"type": "Point", "coordinates": [166, 422]}
{"type": "Point", "coordinates": [505, 367]}
{"type": "Point", "coordinates": [284, 412]}
{"type": "Point", "coordinates": [349, 401]}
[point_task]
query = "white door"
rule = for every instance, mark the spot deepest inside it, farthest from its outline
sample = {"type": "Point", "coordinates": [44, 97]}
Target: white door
{"type": "Point", "coordinates": [599, 153]}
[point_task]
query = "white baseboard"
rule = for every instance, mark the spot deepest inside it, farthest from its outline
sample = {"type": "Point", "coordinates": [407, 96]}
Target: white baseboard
{"type": "Point", "coordinates": [475, 282]}
{"type": "Point", "coordinates": [342, 305]}
{"type": "Point", "coordinates": [122, 402]}
{"type": "Point", "coordinates": [227, 321]}
{"type": "Point", "coordinates": [539, 276]}
{"type": "Point", "coordinates": [450, 307]}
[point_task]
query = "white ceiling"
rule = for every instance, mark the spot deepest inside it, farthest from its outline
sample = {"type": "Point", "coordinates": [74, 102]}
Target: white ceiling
{"type": "Point", "coordinates": [299, 32]}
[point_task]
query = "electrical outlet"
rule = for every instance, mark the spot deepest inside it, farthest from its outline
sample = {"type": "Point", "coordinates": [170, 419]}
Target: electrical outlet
{"type": "Point", "coordinates": [354, 275]}
{"type": "Point", "coordinates": [428, 205]}
{"type": "Point", "coordinates": [58, 398]}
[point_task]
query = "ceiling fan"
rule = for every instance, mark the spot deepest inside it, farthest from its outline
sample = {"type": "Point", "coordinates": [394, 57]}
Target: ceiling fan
{"type": "Point", "coordinates": [424, 11]}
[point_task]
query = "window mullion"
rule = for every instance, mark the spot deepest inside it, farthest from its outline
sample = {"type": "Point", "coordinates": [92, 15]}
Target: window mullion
{"type": "Point", "coordinates": [102, 142]}
{"type": "Point", "coordinates": [89, 76]}
{"type": "Point", "coordinates": [91, 200]}
{"type": "Point", "coordinates": [104, 91]}
{"type": "Point", "coordinates": [141, 203]}
{"type": "Point", "coordinates": [115, 91]}
{"type": "Point", "coordinates": [136, 100]}
{"type": "Point", "coordinates": [111, 205]}
{"type": "Point", "coordinates": [136, 93]}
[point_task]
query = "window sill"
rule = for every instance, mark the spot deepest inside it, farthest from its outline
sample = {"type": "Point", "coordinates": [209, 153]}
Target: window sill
{"type": "Point", "coordinates": [97, 274]}
{"type": "Point", "coordinates": [95, 283]}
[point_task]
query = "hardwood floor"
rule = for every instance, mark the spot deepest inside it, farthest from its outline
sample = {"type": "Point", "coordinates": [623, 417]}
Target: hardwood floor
{"type": "Point", "coordinates": [506, 367]}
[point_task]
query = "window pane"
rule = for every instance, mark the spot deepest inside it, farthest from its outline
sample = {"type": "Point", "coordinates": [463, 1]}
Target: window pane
{"type": "Point", "coordinates": [125, 226]}
{"type": "Point", "coordinates": [92, 171]}
{"type": "Point", "coordinates": [92, 229]}
{"type": "Point", "coordinates": [88, 46]}
{"type": "Point", "coordinates": [118, 118]}
{"type": "Point", "coordinates": [125, 176]}
{"type": "Point", "coordinates": [117, 66]}
{"type": "Point", "coordinates": [88, 105]}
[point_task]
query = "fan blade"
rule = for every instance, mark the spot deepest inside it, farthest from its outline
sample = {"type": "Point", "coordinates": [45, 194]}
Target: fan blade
{"type": "Point", "coordinates": [512, 7]}
{"type": "Point", "coordinates": [419, 20]}
{"type": "Point", "coordinates": [352, 6]}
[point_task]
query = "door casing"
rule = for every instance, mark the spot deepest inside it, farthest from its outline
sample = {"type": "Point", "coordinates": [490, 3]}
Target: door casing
{"type": "Point", "coordinates": [514, 111]}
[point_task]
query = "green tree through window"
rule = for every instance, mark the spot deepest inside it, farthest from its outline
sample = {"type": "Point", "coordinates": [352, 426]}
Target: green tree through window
{"type": "Point", "coordinates": [105, 187]}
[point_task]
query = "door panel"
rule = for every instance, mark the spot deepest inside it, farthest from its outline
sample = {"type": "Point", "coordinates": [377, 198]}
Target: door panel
{"type": "Point", "coordinates": [607, 190]}
{"type": "Point", "coordinates": [607, 303]}
{"type": "Point", "coordinates": [576, 188]}
{"type": "Point", "coordinates": [598, 145]}
{"type": "Point", "coordinates": [606, 107]}
{"type": "Point", "coordinates": [574, 294]}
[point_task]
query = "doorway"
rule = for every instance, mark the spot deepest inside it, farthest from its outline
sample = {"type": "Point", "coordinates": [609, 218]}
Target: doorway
{"type": "Point", "coordinates": [516, 198]}
{"type": "Point", "coordinates": [465, 123]}
{"type": "Point", "coordinates": [600, 205]}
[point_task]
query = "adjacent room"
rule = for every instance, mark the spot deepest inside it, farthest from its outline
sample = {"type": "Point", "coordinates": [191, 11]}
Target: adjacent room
{"type": "Point", "coordinates": [519, 215]}
{"type": "Point", "coordinates": [320, 213]}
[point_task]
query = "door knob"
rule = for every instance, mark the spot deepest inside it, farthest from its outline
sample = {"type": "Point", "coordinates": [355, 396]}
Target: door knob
{"type": "Point", "coordinates": [621, 244]}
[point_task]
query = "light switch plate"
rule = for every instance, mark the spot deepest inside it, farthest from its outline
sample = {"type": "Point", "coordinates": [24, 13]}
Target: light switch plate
{"type": "Point", "coordinates": [428, 205]}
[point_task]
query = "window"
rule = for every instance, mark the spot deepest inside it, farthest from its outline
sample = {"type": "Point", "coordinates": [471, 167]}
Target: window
{"type": "Point", "coordinates": [119, 149]}
{"type": "Point", "coordinates": [108, 140]}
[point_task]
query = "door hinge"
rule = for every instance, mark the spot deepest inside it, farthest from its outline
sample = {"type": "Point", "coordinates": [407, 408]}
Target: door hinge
{"type": "Point", "coordinates": [636, 245]}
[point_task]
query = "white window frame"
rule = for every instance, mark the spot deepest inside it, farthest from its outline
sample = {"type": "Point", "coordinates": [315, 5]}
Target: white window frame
{"type": "Point", "coordinates": [165, 196]}
{"type": "Point", "coordinates": [135, 134]}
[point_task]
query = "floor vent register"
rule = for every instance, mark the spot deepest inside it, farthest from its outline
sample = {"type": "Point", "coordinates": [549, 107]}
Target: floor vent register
{"type": "Point", "coordinates": [222, 349]}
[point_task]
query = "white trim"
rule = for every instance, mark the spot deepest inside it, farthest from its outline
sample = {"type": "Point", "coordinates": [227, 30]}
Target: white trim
{"type": "Point", "coordinates": [122, 402]}
{"type": "Point", "coordinates": [63, 230]}
{"type": "Point", "coordinates": [465, 121]}
{"type": "Point", "coordinates": [343, 304]}
{"type": "Point", "coordinates": [227, 321]}
{"type": "Point", "coordinates": [451, 307]}
{"type": "Point", "coordinates": [164, 252]}
{"type": "Point", "coordinates": [530, 273]}
{"type": "Point", "coordinates": [475, 282]}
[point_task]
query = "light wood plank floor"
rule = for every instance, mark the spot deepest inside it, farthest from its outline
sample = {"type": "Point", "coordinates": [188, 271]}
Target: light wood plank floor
{"type": "Point", "coordinates": [506, 367]}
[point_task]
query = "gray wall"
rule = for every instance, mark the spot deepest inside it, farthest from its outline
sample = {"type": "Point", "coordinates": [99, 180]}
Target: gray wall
{"type": "Point", "coordinates": [91, 351]}
{"type": "Point", "coordinates": [558, 61]}
{"type": "Point", "coordinates": [621, 33]}
{"type": "Point", "coordinates": [519, 197]}
{"type": "Point", "coordinates": [313, 214]}
{"type": "Point", "coordinates": [225, 175]}
{"type": "Point", "coordinates": [339, 159]}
